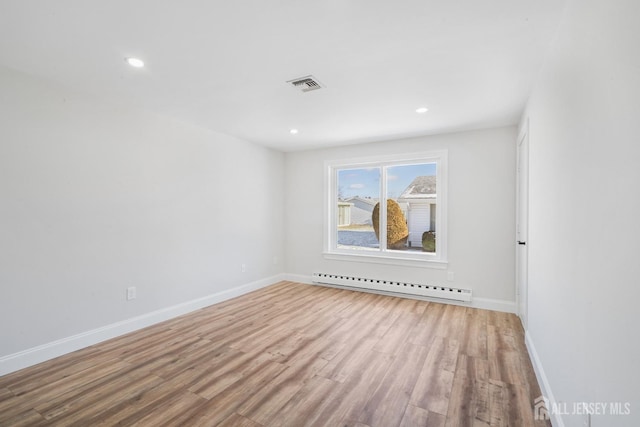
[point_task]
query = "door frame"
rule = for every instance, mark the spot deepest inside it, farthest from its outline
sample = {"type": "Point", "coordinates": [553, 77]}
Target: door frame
{"type": "Point", "coordinates": [522, 224]}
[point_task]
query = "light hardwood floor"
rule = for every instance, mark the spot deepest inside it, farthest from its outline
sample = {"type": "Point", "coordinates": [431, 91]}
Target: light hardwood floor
{"type": "Point", "coordinates": [291, 355]}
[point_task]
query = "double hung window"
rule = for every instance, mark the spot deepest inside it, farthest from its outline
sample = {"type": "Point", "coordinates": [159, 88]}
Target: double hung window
{"type": "Point", "coordinates": [390, 209]}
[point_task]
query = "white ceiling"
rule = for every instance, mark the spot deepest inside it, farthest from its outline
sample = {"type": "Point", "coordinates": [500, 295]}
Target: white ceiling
{"type": "Point", "coordinates": [223, 64]}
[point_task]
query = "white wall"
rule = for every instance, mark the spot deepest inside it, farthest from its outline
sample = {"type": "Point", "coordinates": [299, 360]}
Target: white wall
{"type": "Point", "coordinates": [584, 235]}
{"type": "Point", "coordinates": [481, 212]}
{"type": "Point", "coordinates": [96, 197]}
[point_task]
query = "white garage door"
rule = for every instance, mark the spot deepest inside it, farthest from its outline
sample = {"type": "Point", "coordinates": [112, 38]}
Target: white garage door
{"type": "Point", "coordinates": [418, 222]}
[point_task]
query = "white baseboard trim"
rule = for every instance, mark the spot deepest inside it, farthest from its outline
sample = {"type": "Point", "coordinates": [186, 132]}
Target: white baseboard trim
{"type": "Point", "coordinates": [545, 388]}
{"type": "Point", "coordinates": [495, 305]}
{"type": "Point", "coordinates": [483, 303]}
{"type": "Point", "coordinates": [298, 278]}
{"type": "Point", "coordinates": [42, 353]}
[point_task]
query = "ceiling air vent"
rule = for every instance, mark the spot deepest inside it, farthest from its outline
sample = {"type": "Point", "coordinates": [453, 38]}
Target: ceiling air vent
{"type": "Point", "coordinates": [306, 83]}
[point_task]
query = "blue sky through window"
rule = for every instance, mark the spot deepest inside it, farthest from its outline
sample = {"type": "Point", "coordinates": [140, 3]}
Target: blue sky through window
{"type": "Point", "coordinates": [365, 182]}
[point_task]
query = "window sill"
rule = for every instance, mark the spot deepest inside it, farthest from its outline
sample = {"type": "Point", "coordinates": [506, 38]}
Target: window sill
{"type": "Point", "coordinates": [381, 259]}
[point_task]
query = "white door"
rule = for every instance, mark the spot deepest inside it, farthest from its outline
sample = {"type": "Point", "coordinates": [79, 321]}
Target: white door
{"type": "Point", "coordinates": [522, 223]}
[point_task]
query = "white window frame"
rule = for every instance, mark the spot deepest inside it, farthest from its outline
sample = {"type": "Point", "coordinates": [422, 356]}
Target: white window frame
{"type": "Point", "coordinates": [408, 258]}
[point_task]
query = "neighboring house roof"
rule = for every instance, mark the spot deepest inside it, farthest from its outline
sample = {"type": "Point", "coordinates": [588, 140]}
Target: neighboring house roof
{"type": "Point", "coordinates": [361, 208]}
{"type": "Point", "coordinates": [420, 187]}
{"type": "Point", "coordinates": [368, 201]}
{"type": "Point", "coordinates": [360, 216]}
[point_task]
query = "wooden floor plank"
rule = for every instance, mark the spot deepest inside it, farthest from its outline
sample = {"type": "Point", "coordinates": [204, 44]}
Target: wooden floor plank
{"type": "Point", "coordinates": [428, 325]}
{"type": "Point", "coordinates": [398, 332]}
{"type": "Point", "coordinates": [222, 405]}
{"type": "Point", "coordinates": [433, 388]}
{"type": "Point", "coordinates": [505, 364]}
{"type": "Point", "coordinates": [414, 417]}
{"type": "Point", "coordinates": [472, 368]}
{"type": "Point", "coordinates": [291, 355]}
{"type": "Point", "coordinates": [200, 362]}
{"type": "Point", "coordinates": [30, 418]}
{"type": "Point", "coordinates": [126, 413]}
{"type": "Point", "coordinates": [177, 412]}
{"type": "Point", "coordinates": [236, 420]}
{"type": "Point", "coordinates": [469, 402]}
{"type": "Point", "coordinates": [309, 400]}
{"type": "Point", "coordinates": [395, 389]}
{"type": "Point", "coordinates": [349, 360]}
{"type": "Point", "coordinates": [452, 323]}
{"type": "Point", "coordinates": [473, 341]}
{"type": "Point", "coordinates": [64, 389]}
{"type": "Point", "coordinates": [347, 401]}
{"type": "Point", "coordinates": [218, 380]}
{"type": "Point", "coordinates": [24, 385]}
{"type": "Point", "coordinates": [265, 403]}
{"type": "Point", "coordinates": [44, 368]}
{"type": "Point", "coordinates": [88, 405]}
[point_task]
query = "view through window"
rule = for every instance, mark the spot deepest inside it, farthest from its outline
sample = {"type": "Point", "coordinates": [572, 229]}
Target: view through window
{"type": "Point", "coordinates": [409, 191]}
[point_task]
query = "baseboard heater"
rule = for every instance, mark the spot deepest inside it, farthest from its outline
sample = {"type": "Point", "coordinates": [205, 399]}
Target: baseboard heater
{"type": "Point", "coordinates": [443, 292]}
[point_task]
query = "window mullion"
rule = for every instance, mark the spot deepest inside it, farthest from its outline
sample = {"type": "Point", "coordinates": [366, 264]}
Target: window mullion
{"type": "Point", "coordinates": [383, 209]}
{"type": "Point", "coordinates": [333, 210]}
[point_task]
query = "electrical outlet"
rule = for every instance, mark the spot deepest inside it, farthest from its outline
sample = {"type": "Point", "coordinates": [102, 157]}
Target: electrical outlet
{"type": "Point", "coordinates": [131, 293]}
{"type": "Point", "coordinates": [450, 276]}
{"type": "Point", "coordinates": [243, 268]}
{"type": "Point", "coordinates": [275, 260]}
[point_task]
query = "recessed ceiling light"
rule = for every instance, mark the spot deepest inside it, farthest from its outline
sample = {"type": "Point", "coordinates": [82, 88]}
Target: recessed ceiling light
{"type": "Point", "coordinates": [135, 62]}
{"type": "Point", "coordinates": [422, 110]}
{"type": "Point", "coordinates": [293, 131]}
